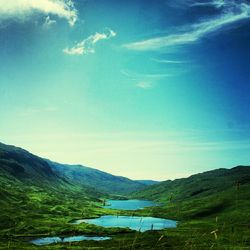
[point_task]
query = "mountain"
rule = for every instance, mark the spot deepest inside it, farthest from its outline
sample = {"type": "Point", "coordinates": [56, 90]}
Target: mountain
{"type": "Point", "coordinates": [21, 167]}
{"type": "Point", "coordinates": [37, 195]}
{"type": "Point", "coordinates": [31, 169]}
{"type": "Point", "coordinates": [198, 185]}
{"type": "Point", "coordinates": [21, 170]}
{"type": "Point", "coordinates": [24, 166]}
{"type": "Point", "coordinates": [220, 192]}
{"type": "Point", "coordinates": [212, 209]}
{"type": "Point", "coordinates": [96, 179]}
{"type": "Point", "coordinates": [148, 182]}
{"type": "Point", "coordinates": [31, 193]}
{"type": "Point", "coordinates": [40, 198]}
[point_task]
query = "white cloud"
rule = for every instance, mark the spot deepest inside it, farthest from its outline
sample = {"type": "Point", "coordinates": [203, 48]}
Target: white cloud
{"type": "Point", "coordinates": [134, 75]}
{"type": "Point", "coordinates": [36, 111]}
{"type": "Point", "coordinates": [76, 50]}
{"type": "Point", "coordinates": [232, 13]}
{"type": "Point", "coordinates": [214, 3]}
{"type": "Point", "coordinates": [184, 4]}
{"type": "Point", "coordinates": [168, 61]}
{"type": "Point", "coordinates": [23, 9]}
{"type": "Point", "coordinates": [144, 81]}
{"type": "Point", "coordinates": [48, 22]}
{"type": "Point", "coordinates": [87, 46]}
{"type": "Point", "coordinates": [145, 85]}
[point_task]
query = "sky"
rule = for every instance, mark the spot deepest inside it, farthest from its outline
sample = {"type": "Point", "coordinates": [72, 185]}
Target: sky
{"type": "Point", "coordinates": [143, 89]}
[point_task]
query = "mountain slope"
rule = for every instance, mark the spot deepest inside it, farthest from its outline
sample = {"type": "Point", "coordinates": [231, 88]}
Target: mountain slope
{"type": "Point", "coordinates": [148, 182]}
{"type": "Point", "coordinates": [21, 167]}
{"type": "Point", "coordinates": [212, 209]}
{"type": "Point", "coordinates": [21, 170]}
{"type": "Point", "coordinates": [95, 178]}
{"type": "Point", "coordinates": [24, 166]}
{"type": "Point", "coordinates": [29, 168]}
{"type": "Point", "coordinates": [198, 185]}
{"type": "Point", "coordinates": [31, 194]}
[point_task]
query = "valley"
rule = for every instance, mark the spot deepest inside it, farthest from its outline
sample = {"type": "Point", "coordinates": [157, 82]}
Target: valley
{"type": "Point", "coordinates": [41, 199]}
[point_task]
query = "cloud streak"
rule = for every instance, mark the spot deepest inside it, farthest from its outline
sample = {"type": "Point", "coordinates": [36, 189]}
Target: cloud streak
{"type": "Point", "coordinates": [145, 85]}
{"type": "Point", "coordinates": [232, 13]}
{"type": "Point", "coordinates": [144, 81]}
{"type": "Point", "coordinates": [87, 45]}
{"type": "Point", "coordinates": [168, 61]}
{"type": "Point", "coordinates": [215, 3]}
{"type": "Point", "coordinates": [49, 22]}
{"type": "Point", "coordinates": [21, 10]}
{"type": "Point", "coordinates": [135, 76]}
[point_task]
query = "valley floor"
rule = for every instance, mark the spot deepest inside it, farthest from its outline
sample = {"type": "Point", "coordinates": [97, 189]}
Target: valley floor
{"type": "Point", "coordinates": [207, 225]}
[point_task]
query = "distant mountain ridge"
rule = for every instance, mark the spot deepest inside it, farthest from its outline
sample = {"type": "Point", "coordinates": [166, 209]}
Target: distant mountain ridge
{"type": "Point", "coordinates": [197, 185]}
{"type": "Point", "coordinates": [40, 197]}
{"type": "Point", "coordinates": [148, 182]}
{"type": "Point", "coordinates": [95, 178]}
{"type": "Point", "coordinates": [29, 168]}
{"type": "Point", "coordinates": [25, 166]}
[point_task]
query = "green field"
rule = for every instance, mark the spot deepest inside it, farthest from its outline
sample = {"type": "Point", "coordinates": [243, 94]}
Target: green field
{"type": "Point", "coordinates": [212, 209]}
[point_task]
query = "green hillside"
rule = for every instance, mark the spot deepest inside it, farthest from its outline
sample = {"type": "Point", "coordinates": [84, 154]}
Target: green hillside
{"type": "Point", "coordinates": [148, 182]}
{"type": "Point", "coordinates": [208, 194]}
{"type": "Point", "coordinates": [198, 185]}
{"type": "Point", "coordinates": [212, 208]}
{"type": "Point", "coordinates": [37, 202]}
{"type": "Point", "coordinates": [33, 169]}
{"type": "Point", "coordinates": [31, 193]}
{"type": "Point", "coordinates": [23, 166]}
{"type": "Point", "coordinates": [37, 199]}
{"type": "Point", "coordinates": [96, 179]}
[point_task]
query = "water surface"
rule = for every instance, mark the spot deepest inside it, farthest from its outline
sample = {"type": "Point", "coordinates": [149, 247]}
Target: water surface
{"type": "Point", "coordinates": [53, 240]}
{"type": "Point", "coordinates": [133, 222]}
{"type": "Point", "coordinates": [129, 204]}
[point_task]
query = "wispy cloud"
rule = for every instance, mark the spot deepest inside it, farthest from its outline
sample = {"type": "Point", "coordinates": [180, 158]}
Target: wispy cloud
{"type": "Point", "coordinates": [37, 111]}
{"type": "Point", "coordinates": [168, 61]}
{"type": "Point", "coordinates": [87, 45]}
{"type": "Point", "coordinates": [145, 85]}
{"type": "Point", "coordinates": [135, 76]}
{"type": "Point", "coordinates": [214, 3]}
{"type": "Point", "coordinates": [23, 9]}
{"type": "Point", "coordinates": [231, 14]}
{"type": "Point", "coordinates": [48, 22]}
{"type": "Point", "coordinates": [144, 81]}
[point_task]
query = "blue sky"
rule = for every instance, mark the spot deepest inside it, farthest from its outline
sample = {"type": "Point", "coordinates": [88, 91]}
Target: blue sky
{"type": "Point", "coordinates": [143, 89]}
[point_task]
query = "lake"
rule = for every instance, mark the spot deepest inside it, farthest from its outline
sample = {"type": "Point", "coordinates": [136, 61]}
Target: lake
{"type": "Point", "coordinates": [133, 222]}
{"type": "Point", "coordinates": [137, 223]}
{"type": "Point", "coordinates": [53, 240]}
{"type": "Point", "coordinates": [129, 204]}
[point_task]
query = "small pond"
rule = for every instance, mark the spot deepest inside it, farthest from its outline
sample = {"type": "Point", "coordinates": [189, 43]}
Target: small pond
{"type": "Point", "coordinates": [53, 240]}
{"type": "Point", "coordinates": [137, 223]}
{"type": "Point", "coordinates": [133, 222]}
{"type": "Point", "coordinates": [129, 204]}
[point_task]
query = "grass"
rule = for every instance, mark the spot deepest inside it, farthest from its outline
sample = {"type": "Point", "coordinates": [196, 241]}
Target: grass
{"type": "Point", "coordinates": [212, 210]}
{"type": "Point", "coordinates": [214, 220]}
{"type": "Point", "coordinates": [203, 224]}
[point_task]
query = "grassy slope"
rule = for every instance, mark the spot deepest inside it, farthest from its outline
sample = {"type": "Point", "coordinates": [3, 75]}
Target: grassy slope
{"type": "Point", "coordinates": [97, 179]}
{"type": "Point", "coordinates": [148, 182]}
{"type": "Point", "coordinates": [37, 202]}
{"type": "Point", "coordinates": [212, 201]}
{"type": "Point", "coordinates": [45, 204]}
{"type": "Point", "coordinates": [34, 200]}
{"type": "Point", "coordinates": [198, 185]}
